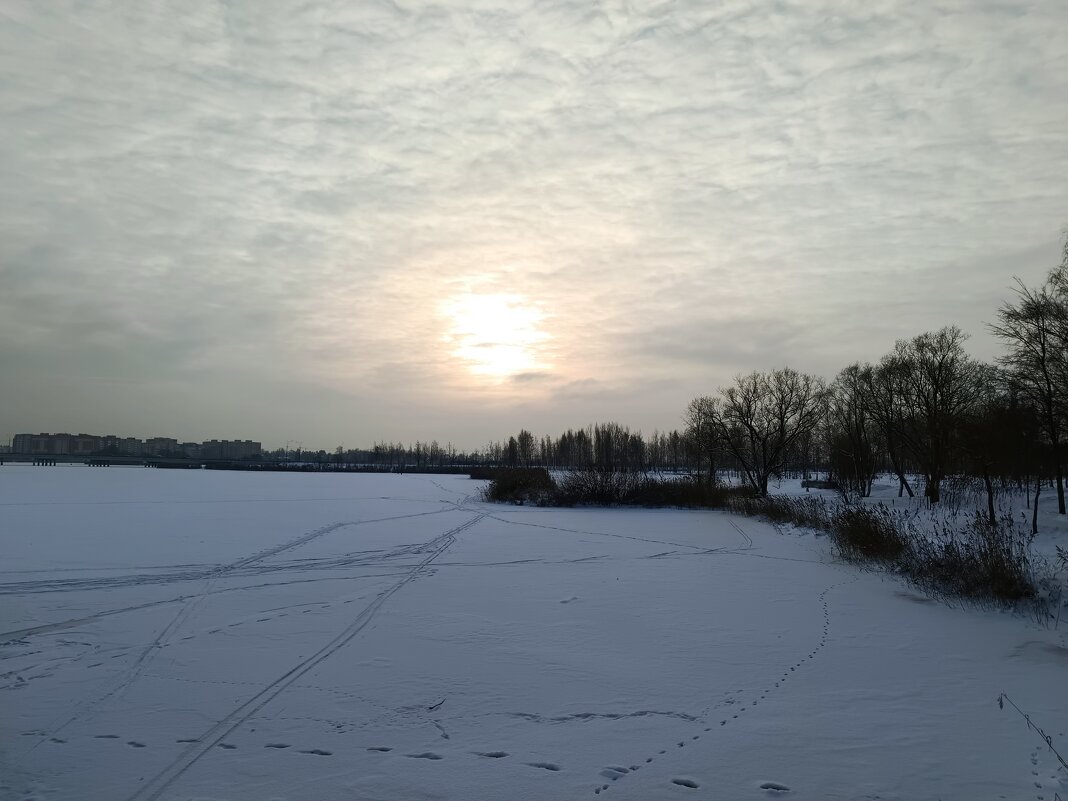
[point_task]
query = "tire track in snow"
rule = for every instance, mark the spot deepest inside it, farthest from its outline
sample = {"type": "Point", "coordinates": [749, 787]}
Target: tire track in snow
{"type": "Point", "coordinates": [156, 786]}
{"type": "Point", "coordinates": [615, 773]}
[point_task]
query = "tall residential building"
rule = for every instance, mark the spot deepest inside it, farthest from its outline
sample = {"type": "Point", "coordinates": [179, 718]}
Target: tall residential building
{"type": "Point", "coordinates": [84, 444]}
{"type": "Point", "coordinates": [121, 446]}
{"type": "Point", "coordinates": [162, 446]}
{"type": "Point", "coordinates": [230, 449]}
{"type": "Point", "coordinates": [89, 444]}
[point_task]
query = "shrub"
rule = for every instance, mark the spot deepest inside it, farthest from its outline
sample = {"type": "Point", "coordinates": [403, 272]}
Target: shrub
{"type": "Point", "coordinates": [517, 484]}
{"type": "Point", "coordinates": [600, 487]}
{"type": "Point", "coordinates": [688, 493]}
{"type": "Point", "coordinates": [869, 533]}
{"type": "Point", "coordinates": [808, 512]}
{"type": "Point", "coordinates": [981, 560]}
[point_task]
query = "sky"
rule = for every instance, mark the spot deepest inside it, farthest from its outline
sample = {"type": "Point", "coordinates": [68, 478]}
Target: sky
{"type": "Point", "coordinates": [341, 221]}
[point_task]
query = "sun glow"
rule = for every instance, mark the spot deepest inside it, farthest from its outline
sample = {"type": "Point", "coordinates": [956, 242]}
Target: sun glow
{"type": "Point", "coordinates": [496, 335]}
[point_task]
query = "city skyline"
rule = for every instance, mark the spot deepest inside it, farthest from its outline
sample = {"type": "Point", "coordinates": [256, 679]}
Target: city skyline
{"type": "Point", "coordinates": [356, 222]}
{"type": "Point", "coordinates": [82, 444]}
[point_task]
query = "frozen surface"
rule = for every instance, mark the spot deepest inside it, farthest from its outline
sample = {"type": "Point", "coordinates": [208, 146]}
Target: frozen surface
{"type": "Point", "coordinates": [209, 635]}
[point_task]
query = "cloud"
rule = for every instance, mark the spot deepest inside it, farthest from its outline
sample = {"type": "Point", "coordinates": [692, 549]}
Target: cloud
{"type": "Point", "coordinates": [530, 378]}
{"type": "Point", "coordinates": [253, 195]}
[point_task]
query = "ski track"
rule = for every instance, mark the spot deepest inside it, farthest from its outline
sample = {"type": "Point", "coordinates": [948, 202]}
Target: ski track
{"type": "Point", "coordinates": [745, 536]}
{"type": "Point", "coordinates": [188, 603]}
{"type": "Point", "coordinates": [131, 673]}
{"type": "Point", "coordinates": [695, 548]}
{"type": "Point", "coordinates": [240, 568]}
{"type": "Point", "coordinates": [215, 735]}
{"type": "Point", "coordinates": [141, 579]}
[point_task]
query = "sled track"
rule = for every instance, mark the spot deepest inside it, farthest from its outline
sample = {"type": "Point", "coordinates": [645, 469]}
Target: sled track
{"type": "Point", "coordinates": [154, 788]}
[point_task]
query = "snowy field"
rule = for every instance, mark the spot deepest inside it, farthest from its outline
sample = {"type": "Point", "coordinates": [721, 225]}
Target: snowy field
{"type": "Point", "coordinates": [209, 635]}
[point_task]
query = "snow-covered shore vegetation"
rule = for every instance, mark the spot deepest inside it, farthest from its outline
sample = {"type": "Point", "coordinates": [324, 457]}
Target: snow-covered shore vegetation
{"type": "Point", "coordinates": [947, 553]}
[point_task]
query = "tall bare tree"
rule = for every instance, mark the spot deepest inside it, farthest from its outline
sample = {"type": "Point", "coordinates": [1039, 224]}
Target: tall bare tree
{"type": "Point", "coordinates": [940, 386]}
{"type": "Point", "coordinates": [525, 447]}
{"type": "Point", "coordinates": [1033, 328]}
{"type": "Point", "coordinates": [854, 439]}
{"type": "Point", "coordinates": [763, 417]}
{"type": "Point", "coordinates": [700, 418]}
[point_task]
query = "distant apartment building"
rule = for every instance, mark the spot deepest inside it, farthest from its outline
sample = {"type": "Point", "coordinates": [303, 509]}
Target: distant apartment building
{"type": "Point", "coordinates": [121, 446]}
{"type": "Point", "coordinates": [161, 446]}
{"type": "Point", "coordinates": [84, 444]}
{"type": "Point", "coordinates": [24, 443]}
{"type": "Point", "coordinates": [56, 444]}
{"type": "Point", "coordinates": [230, 449]}
{"type": "Point", "coordinates": [166, 447]}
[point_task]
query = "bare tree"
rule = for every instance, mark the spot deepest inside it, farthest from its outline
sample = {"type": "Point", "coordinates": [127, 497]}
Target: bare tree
{"type": "Point", "coordinates": [764, 416]}
{"type": "Point", "coordinates": [525, 447]}
{"type": "Point", "coordinates": [854, 440]}
{"type": "Point", "coordinates": [940, 386]}
{"type": "Point", "coordinates": [1034, 328]}
{"type": "Point", "coordinates": [885, 394]}
{"type": "Point", "coordinates": [700, 418]}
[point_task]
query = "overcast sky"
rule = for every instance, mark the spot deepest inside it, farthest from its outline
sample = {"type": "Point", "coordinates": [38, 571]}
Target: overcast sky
{"type": "Point", "coordinates": [338, 221]}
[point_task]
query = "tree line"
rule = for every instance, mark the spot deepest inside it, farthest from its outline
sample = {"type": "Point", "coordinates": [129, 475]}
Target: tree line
{"type": "Point", "coordinates": [927, 413]}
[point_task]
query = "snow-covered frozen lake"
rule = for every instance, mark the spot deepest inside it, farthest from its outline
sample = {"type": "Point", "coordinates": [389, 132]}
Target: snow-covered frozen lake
{"type": "Point", "coordinates": [211, 635]}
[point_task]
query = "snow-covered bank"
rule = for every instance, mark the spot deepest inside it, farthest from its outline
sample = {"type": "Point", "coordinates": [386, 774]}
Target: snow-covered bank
{"type": "Point", "coordinates": [181, 635]}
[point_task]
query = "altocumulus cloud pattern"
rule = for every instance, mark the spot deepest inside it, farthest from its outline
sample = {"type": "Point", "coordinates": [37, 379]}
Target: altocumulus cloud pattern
{"type": "Point", "coordinates": [286, 198]}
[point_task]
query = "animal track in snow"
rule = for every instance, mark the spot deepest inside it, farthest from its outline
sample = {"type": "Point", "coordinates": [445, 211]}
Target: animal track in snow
{"type": "Point", "coordinates": [425, 755]}
{"type": "Point", "coordinates": [381, 748]}
{"type": "Point", "coordinates": [277, 745]}
{"type": "Point", "coordinates": [106, 736]}
{"type": "Point", "coordinates": [135, 744]}
{"type": "Point", "coordinates": [318, 752]}
{"type": "Point", "coordinates": [188, 740]}
{"type": "Point", "coordinates": [227, 746]}
{"type": "Point", "coordinates": [774, 787]}
{"type": "Point", "coordinates": [545, 765]}
{"type": "Point", "coordinates": [492, 754]}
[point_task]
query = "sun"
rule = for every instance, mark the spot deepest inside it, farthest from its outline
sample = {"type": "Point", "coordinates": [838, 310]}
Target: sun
{"type": "Point", "coordinates": [495, 335]}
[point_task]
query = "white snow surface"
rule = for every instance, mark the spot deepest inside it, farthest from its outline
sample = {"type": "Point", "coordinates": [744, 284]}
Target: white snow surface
{"type": "Point", "coordinates": [216, 635]}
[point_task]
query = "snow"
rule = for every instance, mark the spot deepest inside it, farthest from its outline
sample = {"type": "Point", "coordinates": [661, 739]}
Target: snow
{"type": "Point", "coordinates": [217, 635]}
{"type": "Point", "coordinates": [957, 506]}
